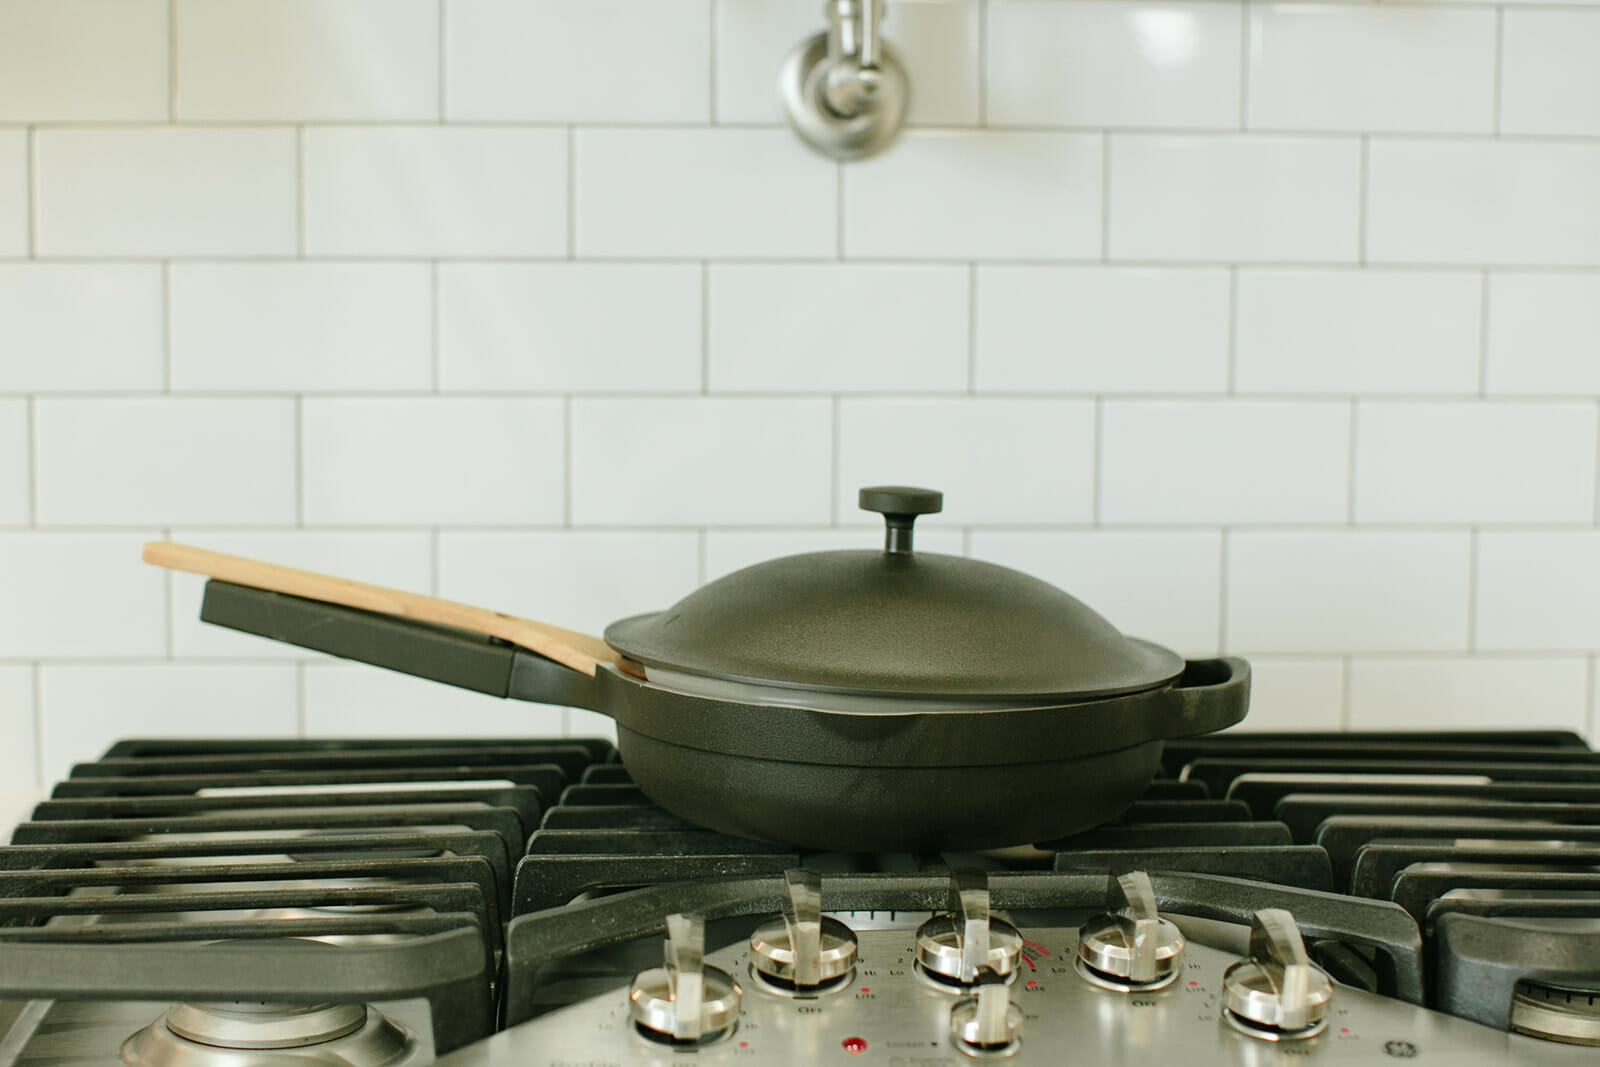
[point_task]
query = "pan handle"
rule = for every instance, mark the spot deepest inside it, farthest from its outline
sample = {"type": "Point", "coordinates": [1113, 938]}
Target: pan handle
{"type": "Point", "coordinates": [462, 658]}
{"type": "Point", "coordinates": [1211, 694]}
{"type": "Point", "coordinates": [581, 652]}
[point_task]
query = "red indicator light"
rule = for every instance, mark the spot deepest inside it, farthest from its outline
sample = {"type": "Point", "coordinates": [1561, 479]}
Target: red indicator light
{"type": "Point", "coordinates": [1032, 984]}
{"type": "Point", "coordinates": [744, 1044]}
{"type": "Point", "coordinates": [1194, 983]}
{"type": "Point", "coordinates": [864, 989]}
{"type": "Point", "coordinates": [1344, 1029]}
{"type": "Point", "coordinates": [854, 1045]}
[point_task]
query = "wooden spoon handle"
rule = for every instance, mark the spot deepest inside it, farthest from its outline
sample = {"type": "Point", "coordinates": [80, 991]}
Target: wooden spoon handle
{"type": "Point", "coordinates": [581, 652]}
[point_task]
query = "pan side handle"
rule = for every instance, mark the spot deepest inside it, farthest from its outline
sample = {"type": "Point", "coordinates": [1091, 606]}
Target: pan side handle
{"type": "Point", "coordinates": [462, 658]}
{"type": "Point", "coordinates": [1211, 694]}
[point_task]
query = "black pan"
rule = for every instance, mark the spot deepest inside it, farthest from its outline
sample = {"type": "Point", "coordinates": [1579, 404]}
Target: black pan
{"type": "Point", "coordinates": [858, 701]}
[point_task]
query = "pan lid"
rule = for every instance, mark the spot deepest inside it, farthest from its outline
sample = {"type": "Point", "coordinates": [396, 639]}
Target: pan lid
{"type": "Point", "coordinates": [895, 623]}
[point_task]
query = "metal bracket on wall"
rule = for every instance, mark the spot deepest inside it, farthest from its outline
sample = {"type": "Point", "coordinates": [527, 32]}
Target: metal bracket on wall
{"type": "Point", "coordinates": [844, 91]}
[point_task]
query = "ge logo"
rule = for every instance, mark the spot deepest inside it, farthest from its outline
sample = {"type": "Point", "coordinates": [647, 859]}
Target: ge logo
{"type": "Point", "coordinates": [1400, 1050]}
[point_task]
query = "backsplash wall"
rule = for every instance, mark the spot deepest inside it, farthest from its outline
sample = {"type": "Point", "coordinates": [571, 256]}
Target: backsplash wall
{"type": "Point", "coordinates": [1271, 329]}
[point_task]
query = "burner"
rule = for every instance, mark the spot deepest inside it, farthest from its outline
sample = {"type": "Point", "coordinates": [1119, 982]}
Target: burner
{"type": "Point", "coordinates": [250, 1033]}
{"type": "Point", "coordinates": [244, 1033]}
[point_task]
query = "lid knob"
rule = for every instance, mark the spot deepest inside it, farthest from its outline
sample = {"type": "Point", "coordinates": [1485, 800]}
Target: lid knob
{"type": "Point", "coordinates": [899, 505]}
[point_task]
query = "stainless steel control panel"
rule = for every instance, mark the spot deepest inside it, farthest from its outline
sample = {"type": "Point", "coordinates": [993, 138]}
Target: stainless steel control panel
{"type": "Point", "coordinates": [891, 1012]}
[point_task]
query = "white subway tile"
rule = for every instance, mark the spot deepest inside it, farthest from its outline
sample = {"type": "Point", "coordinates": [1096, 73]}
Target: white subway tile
{"type": "Point", "coordinates": [1110, 63]}
{"type": "Point", "coordinates": [836, 328]}
{"type": "Point", "coordinates": [435, 461]}
{"type": "Point", "coordinates": [979, 195]}
{"type": "Point", "coordinates": [1090, 329]}
{"type": "Point", "coordinates": [14, 208]}
{"type": "Point", "coordinates": [1483, 201]}
{"type": "Point", "coordinates": [710, 192]}
{"type": "Point", "coordinates": [696, 462]}
{"type": "Point", "coordinates": [1357, 331]}
{"type": "Point", "coordinates": [397, 558]}
{"type": "Point", "coordinates": [1469, 694]}
{"type": "Point", "coordinates": [937, 44]}
{"type": "Point", "coordinates": [1544, 334]}
{"type": "Point", "coordinates": [1234, 198]}
{"type": "Point", "coordinates": [1346, 591]}
{"type": "Point", "coordinates": [1474, 462]}
{"type": "Point", "coordinates": [301, 327]}
{"type": "Point", "coordinates": [96, 326]}
{"type": "Point", "coordinates": [1158, 585]}
{"type": "Point", "coordinates": [50, 579]}
{"type": "Point", "coordinates": [163, 460]}
{"type": "Point", "coordinates": [582, 723]}
{"type": "Point", "coordinates": [16, 461]}
{"type": "Point", "coordinates": [88, 60]}
{"type": "Point", "coordinates": [86, 708]}
{"type": "Point", "coordinates": [997, 461]}
{"type": "Point", "coordinates": [355, 700]}
{"type": "Point", "coordinates": [731, 550]}
{"type": "Point", "coordinates": [599, 61]}
{"type": "Point", "coordinates": [435, 191]}
{"type": "Point", "coordinates": [18, 764]}
{"type": "Point", "coordinates": [1367, 67]}
{"type": "Point", "coordinates": [1538, 590]}
{"type": "Point", "coordinates": [1224, 461]}
{"type": "Point", "coordinates": [307, 60]}
{"type": "Point", "coordinates": [581, 580]}
{"type": "Point", "coordinates": [1549, 80]}
{"type": "Point", "coordinates": [165, 192]}
{"type": "Point", "coordinates": [1294, 694]}
{"type": "Point", "coordinates": [570, 327]}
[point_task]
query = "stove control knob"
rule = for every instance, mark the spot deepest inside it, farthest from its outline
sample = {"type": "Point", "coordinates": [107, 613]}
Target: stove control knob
{"type": "Point", "coordinates": [1571, 1016]}
{"type": "Point", "coordinates": [1276, 994]}
{"type": "Point", "coordinates": [684, 1003]}
{"type": "Point", "coordinates": [804, 952]}
{"type": "Point", "coordinates": [953, 949]}
{"type": "Point", "coordinates": [987, 1023]}
{"type": "Point", "coordinates": [1130, 947]}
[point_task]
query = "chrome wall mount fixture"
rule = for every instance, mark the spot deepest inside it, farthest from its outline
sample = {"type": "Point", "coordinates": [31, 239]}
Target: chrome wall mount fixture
{"type": "Point", "coordinates": [844, 91]}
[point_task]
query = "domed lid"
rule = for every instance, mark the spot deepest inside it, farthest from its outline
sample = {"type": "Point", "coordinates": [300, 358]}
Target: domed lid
{"type": "Point", "coordinates": [895, 623]}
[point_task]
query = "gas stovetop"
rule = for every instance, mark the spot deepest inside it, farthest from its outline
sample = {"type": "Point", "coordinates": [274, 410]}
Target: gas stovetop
{"type": "Point", "coordinates": [1325, 898]}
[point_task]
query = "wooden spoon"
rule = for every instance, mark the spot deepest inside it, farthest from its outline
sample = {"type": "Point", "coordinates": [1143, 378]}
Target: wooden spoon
{"type": "Point", "coordinates": [581, 652]}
